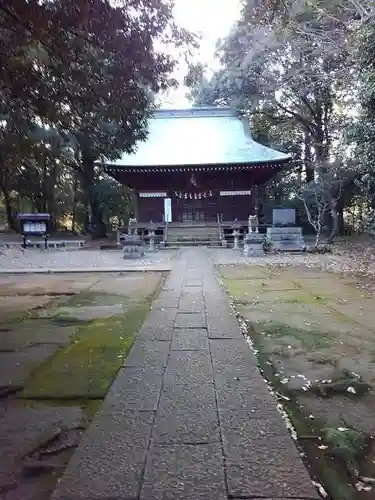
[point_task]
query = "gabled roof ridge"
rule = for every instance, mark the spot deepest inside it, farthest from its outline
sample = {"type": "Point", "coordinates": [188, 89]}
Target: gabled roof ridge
{"type": "Point", "coordinates": [199, 136]}
{"type": "Point", "coordinates": [199, 112]}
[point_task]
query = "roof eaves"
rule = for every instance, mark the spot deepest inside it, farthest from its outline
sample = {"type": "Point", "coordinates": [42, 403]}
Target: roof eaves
{"type": "Point", "coordinates": [278, 161]}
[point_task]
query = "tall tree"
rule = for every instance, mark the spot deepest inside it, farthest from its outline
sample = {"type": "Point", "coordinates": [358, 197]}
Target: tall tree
{"type": "Point", "coordinates": [90, 69]}
{"type": "Point", "coordinates": [291, 65]}
{"type": "Point", "coordinates": [362, 133]}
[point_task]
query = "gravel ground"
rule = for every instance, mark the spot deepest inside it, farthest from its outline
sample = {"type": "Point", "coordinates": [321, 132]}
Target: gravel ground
{"type": "Point", "coordinates": [19, 259]}
{"type": "Point", "coordinates": [329, 262]}
{"type": "Point", "coordinates": [343, 260]}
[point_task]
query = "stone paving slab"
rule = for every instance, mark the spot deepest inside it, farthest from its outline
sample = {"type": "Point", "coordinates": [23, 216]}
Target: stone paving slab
{"type": "Point", "coordinates": [193, 283]}
{"type": "Point", "coordinates": [189, 367]}
{"type": "Point", "coordinates": [232, 352]}
{"type": "Point", "coordinates": [215, 306]}
{"type": "Point", "coordinates": [161, 317]}
{"type": "Point", "coordinates": [191, 339]}
{"type": "Point", "coordinates": [262, 480]}
{"type": "Point", "coordinates": [184, 473]}
{"type": "Point", "coordinates": [186, 425]}
{"type": "Point", "coordinates": [200, 397]}
{"type": "Point", "coordinates": [223, 328]}
{"type": "Point", "coordinates": [190, 320]}
{"type": "Point", "coordinates": [166, 303]}
{"type": "Point", "coordinates": [242, 427]}
{"type": "Point", "coordinates": [23, 428]}
{"type": "Point", "coordinates": [110, 460]}
{"type": "Point", "coordinates": [270, 450]}
{"type": "Point", "coordinates": [244, 394]}
{"type": "Point", "coordinates": [189, 416]}
{"type": "Point", "coordinates": [136, 388]}
{"type": "Point", "coordinates": [156, 333]}
{"type": "Point", "coordinates": [35, 332]}
{"type": "Point", "coordinates": [144, 353]}
{"type": "Point", "coordinates": [15, 367]}
{"type": "Point", "coordinates": [86, 313]}
{"type": "Point", "coordinates": [192, 291]}
{"type": "Point", "coordinates": [186, 305]}
{"type": "Point", "coordinates": [14, 305]}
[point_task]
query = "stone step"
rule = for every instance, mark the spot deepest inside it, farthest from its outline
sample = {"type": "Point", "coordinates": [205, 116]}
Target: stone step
{"type": "Point", "coordinates": [184, 232]}
{"type": "Point", "coordinates": [193, 242]}
{"type": "Point", "coordinates": [193, 236]}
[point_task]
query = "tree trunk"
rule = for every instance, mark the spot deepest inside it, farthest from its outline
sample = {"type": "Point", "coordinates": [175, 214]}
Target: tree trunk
{"type": "Point", "coordinates": [75, 201]}
{"type": "Point", "coordinates": [309, 168]}
{"type": "Point", "coordinates": [98, 226]}
{"type": "Point", "coordinates": [50, 196]}
{"type": "Point", "coordinates": [334, 220]}
{"type": "Point", "coordinates": [93, 214]}
{"type": "Point", "coordinates": [44, 187]}
{"type": "Point", "coordinates": [8, 209]}
{"type": "Point", "coordinates": [87, 180]}
{"type": "Point", "coordinates": [341, 222]}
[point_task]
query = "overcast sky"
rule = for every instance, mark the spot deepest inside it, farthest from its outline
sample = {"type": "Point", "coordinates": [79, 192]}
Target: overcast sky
{"type": "Point", "coordinates": [213, 20]}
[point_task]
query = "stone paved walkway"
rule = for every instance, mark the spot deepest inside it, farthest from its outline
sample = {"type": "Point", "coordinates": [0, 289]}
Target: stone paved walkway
{"type": "Point", "coordinates": [189, 416]}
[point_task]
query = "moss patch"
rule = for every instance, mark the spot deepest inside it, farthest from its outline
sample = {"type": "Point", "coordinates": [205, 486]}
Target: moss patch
{"type": "Point", "coordinates": [92, 298]}
{"type": "Point", "coordinates": [62, 318]}
{"type": "Point", "coordinates": [305, 336]}
{"type": "Point", "coordinates": [244, 272]}
{"type": "Point", "coordinates": [332, 473]}
{"type": "Point", "coordinates": [87, 367]}
{"type": "Point", "coordinates": [308, 338]}
{"type": "Point", "coordinates": [243, 289]}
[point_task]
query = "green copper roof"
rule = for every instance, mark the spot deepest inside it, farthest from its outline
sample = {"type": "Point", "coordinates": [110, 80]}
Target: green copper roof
{"type": "Point", "coordinates": [196, 136]}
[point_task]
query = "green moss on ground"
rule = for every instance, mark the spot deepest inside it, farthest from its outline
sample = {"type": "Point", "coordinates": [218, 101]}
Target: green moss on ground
{"type": "Point", "coordinates": [242, 289]}
{"type": "Point", "coordinates": [13, 318]}
{"type": "Point", "coordinates": [87, 367]}
{"type": "Point", "coordinates": [94, 298]}
{"type": "Point", "coordinates": [62, 318]}
{"type": "Point", "coordinates": [240, 272]}
{"type": "Point", "coordinates": [332, 463]}
{"type": "Point", "coordinates": [307, 337]}
{"type": "Point", "coordinates": [331, 473]}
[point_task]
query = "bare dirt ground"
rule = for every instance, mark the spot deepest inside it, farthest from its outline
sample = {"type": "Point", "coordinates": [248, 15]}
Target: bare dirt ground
{"type": "Point", "coordinates": [314, 333]}
{"type": "Point", "coordinates": [62, 340]}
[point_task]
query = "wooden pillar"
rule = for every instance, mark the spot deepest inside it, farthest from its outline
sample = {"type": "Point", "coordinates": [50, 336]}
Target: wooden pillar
{"type": "Point", "coordinates": [135, 203]}
{"type": "Point", "coordinates": [260, 202]}
{"type": "Point", "coordinates": [256, 199]}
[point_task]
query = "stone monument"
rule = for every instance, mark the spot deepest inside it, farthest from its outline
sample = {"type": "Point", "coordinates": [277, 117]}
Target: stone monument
{"type": "Point", "coordinates": [253, 241]}
{"type": "Point", "coordinates": [285, 235]}
{"type": "Point", "coordinates": [132, 225]}
{"type": "Point", "coordinates": [132, 246]}
{"type": "Point", "coordinates": [151, 237]}
{"type": "Point", "coordinates": [253, 224]}
{"type": "Point", "coordinates": [284, 217]}
{"type": "Point", "coordinates": [236, 235]}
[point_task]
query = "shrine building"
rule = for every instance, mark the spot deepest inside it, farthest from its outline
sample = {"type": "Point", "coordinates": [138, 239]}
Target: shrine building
{"type": "Point", "coordinates": [197, 165]}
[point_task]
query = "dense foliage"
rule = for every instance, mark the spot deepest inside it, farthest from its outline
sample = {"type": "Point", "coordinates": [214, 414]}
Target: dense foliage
{"type": "Point", "coordinates": [78, 82]}
{"type": "Point", "coordinates": [304, 73]}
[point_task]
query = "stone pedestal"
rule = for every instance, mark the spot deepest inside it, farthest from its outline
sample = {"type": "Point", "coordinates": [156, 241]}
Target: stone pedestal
{"type": "Point", "coordinates": [286, 239]}
{"type": "Point", "coordinates": [151, 242]}
{"type": "Point", "coordinates": [132, 246]}
{"type": "Point", "coordinates": [253, 223]}
{"type": "Point", "coordinates": [236, 239]}
{"type": "Point", "coordinates": [253, 245]}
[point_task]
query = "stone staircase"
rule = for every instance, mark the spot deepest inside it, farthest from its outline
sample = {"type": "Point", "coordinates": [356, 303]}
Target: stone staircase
{"type": "Point", "coordinates": [192, 234]}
